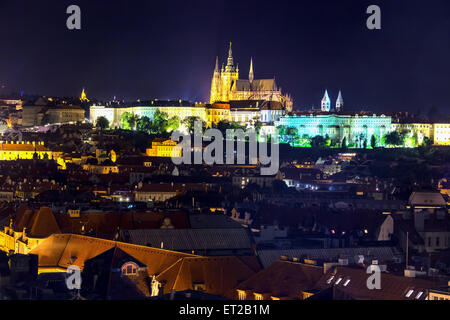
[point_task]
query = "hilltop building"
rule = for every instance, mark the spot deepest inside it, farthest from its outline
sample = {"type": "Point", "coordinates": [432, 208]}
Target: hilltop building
{"type": "Point", "coordinates": [23, 150]}
{"type": "Point", "coordinates": [226, 85]}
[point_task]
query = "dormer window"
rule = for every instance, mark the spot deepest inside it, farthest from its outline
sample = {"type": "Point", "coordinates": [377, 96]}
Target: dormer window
{"type": "Point", "coordinates": [129, 269]}
{"type": "Point", "coordinates": [241, 295]}
{"type": "Point", "coordinates": [198, 286]}
{"type": "Point", "coordinates": [258, 296]}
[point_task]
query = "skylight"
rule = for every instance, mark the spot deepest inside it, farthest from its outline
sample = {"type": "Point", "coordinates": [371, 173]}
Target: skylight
{"type": "Point", "coordinates": [346, 282]}
{"type": "Point", "coordinates": [409, 293]}
{"type": "Point", "coordinates": [338, 281]}
{"type": "Point", "coordinates": [419, 295]}
{"type": "Point", "coordinates": [331, 279]}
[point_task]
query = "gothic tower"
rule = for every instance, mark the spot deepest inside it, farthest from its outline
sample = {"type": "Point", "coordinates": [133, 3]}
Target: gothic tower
{"type": "Point", "coordinates": [215, 84]}
{"type": "Point", "coordinates": [250, 74]}
{"type": "Point", "coordinates": [223, 79]}
{"type": "Point", "coordinates": [339, 103]}
{"type": "Point", "coordinates": [230, 74]}
{"type": "Point", "coordinates": [326, 103]}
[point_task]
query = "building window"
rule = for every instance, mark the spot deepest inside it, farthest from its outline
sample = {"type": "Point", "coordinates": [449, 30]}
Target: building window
{"type": "Point", "coordinates": [199, 286]}
{"type": "Point", "coordinates": [438, 241]}
{"type": "Point", "coordinates": [129, 269]}
{"type": "Point", "coordinates": [241, 295]}
{"type": "Point", "coordinates": [258, 296]}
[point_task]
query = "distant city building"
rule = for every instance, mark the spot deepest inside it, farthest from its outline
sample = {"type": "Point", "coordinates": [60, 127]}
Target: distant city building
{"type": "Point", "coordinates": [441, 133]}
{"type": "Point", "coordinates": [23, 150]}
{"type": "Point", "coordinates": [180, 109]}
{"type": "Point", "coordinates": [217, 112]}
{"type": "Point", "coordinates": [164, 148]}
{"type": "Point", "coordinates": [355, 127]}
{"type": "Point", "coordinates": [421, 130]}
{"type": "Point", "coordinates": [41, 112]}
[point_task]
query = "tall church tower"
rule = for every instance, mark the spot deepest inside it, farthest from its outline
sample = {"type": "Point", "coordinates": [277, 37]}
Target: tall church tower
{"type": "Point", "coordinates": [339, 103]}
{"type": "Point", "coordinates": [223, 79]}
{"type": "Point", "coordinates": [230, 74]}
{"type": "Point", "coordinates": [216, 84]}
{"type": "Point", "coordinates": [326, 103]}
{"type": "Point", "coordinates": [250, 74]}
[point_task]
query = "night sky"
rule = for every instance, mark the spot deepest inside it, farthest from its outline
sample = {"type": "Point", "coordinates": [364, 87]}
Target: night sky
{"type": "Point", "coordinates": [166, 49]}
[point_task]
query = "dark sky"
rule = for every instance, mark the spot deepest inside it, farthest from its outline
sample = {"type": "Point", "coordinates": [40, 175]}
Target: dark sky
{"type": "Point", "coordinates": [167, 48]}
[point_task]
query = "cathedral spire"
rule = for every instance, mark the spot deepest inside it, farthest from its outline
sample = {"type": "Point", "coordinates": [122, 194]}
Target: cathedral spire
{"type": "Point", "coordinates": [339, 102]}
{"type": "Point", "coordinates": [216, 69]}
{"type": "Point", "coordinates": [250, 74]}
{"type": "Point", "coordinates": [230, 62]}
{"type": "Point", "coordinates": [326, 103]}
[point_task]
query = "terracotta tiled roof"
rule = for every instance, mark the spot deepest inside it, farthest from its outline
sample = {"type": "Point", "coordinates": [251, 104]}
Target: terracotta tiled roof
{"type": "Point", "coordinates": [283, 279]}
{"type": "Point", "coordinates": [393, 287]}
{"type": "Point", "coordinates": [22, 147]}
{"type": "Point", "coordinates": [188, 240]}
{"type": "Point", "coordinates": [112, 284]}
{"type": "Point", "coordinates": [220, 275]}
{"type": "Point", "coordinates": [63, 250]}
{"type": "Point", "coordinates": [43, 223]}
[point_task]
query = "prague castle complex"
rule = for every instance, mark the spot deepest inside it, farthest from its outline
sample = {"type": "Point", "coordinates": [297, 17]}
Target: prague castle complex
{"type": "Point", "coordinates": [247, 101]}
{"type": "Point", "coordinates": [226, 86]}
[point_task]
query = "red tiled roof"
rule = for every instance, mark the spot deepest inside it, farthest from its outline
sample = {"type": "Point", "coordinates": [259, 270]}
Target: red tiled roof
{"type": "Point", "coordinates": [220, 275]}
{"type": "Point", "coordinates": [393, 287]}
{"type": "Point", "coordinates": [63, 250]}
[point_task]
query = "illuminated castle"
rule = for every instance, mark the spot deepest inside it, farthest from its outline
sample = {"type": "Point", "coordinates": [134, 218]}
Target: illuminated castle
{"type": "Point", "coordinates": [226, 86]}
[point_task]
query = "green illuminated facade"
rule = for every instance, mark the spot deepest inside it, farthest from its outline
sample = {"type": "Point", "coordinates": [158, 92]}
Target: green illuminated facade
{"type": "Point", "coordinates": [354, 127]}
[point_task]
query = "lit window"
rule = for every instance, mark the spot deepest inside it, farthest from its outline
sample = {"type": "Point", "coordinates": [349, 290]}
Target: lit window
{"type": "Point", "coordinates": [241, 295]}
{"type": "Point", "coordinates": [129, 268]}
{"type": "Point", "coordinates": [409, 293]}
{"type": "Point", "coordinates": [258, 296]}
{"type": "Point", "coordinates": [331, 279]}
{"type": "Point", "coordinates": [346, 282]}
{"type": "Point", "coordinates": [338, 281]}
